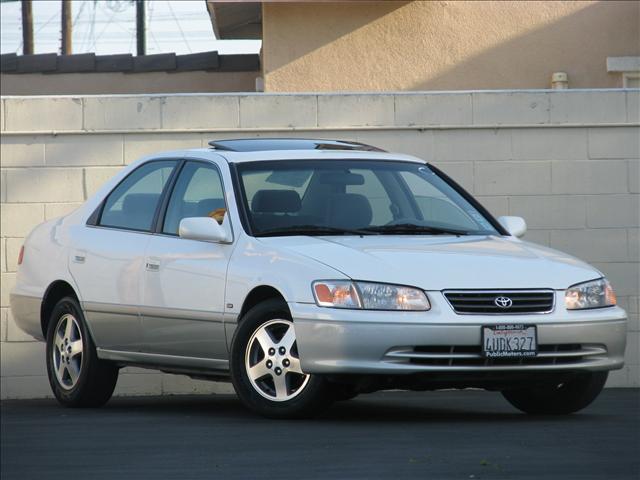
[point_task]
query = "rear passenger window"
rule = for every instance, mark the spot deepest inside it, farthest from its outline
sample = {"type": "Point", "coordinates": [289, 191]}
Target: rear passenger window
{"type": "Point", "coordinates": [197, 193]}
{"type": "Point", "coordinates": [132, 204]}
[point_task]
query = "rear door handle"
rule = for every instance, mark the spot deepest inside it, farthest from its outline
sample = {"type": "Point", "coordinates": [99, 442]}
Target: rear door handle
{"type": "Point", "coordinates": [153, 264]}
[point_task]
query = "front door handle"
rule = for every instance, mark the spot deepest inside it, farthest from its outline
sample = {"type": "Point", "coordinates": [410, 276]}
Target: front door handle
{"type": "Point", "coordinates": [153, 264]}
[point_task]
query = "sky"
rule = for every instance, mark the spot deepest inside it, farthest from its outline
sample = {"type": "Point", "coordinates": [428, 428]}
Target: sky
{"type": "Point", "coordinates": [109, 26]}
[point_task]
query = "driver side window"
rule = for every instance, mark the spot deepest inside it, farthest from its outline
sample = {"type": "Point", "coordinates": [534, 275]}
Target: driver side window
{"type": "Point", "coordinates": [434, 205]}
{"type": "Point", "coordinates": [198, 192]}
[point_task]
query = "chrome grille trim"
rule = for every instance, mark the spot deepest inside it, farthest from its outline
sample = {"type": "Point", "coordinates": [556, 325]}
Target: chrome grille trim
{"type": "Point", "coordinates": [471, 356]}
{"type": "Point", "coordinates": [480, 302]}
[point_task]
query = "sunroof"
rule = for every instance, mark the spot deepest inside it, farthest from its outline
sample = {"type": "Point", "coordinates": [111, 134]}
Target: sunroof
{"type": "Point", "coordinates": [262, 144]}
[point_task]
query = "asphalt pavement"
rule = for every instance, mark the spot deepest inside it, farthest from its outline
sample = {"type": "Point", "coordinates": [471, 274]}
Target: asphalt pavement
{"type": "Point", "coordinates": [397, 435]}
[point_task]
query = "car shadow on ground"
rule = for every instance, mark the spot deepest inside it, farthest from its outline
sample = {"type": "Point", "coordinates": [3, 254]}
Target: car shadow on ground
{"type": "Point", "coordinates": [445, 434]}
{"type": "Point", "coordinates": [387, 407]}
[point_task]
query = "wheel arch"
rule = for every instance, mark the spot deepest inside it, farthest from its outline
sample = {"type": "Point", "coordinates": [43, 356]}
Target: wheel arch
{"type": "Point", "coordinates": [54, 293]}
{"type": "Point", "coordinates": [258, 295]}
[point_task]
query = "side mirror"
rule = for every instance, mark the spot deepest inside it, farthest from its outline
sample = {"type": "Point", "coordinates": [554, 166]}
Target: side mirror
{"type": "Point", "coordinates": [516, 226]}
{"type": "Point", "coordinates": [205, 229]}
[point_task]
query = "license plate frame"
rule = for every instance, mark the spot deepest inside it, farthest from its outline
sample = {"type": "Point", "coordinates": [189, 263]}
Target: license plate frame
{"type": "Point", "coordinates": [509, 341]}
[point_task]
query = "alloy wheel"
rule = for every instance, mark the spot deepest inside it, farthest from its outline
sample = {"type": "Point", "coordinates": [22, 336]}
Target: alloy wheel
{"type": "Point", "coordinates": [67, 351]}
{"type": "Point", "coordinates": [272, 362]}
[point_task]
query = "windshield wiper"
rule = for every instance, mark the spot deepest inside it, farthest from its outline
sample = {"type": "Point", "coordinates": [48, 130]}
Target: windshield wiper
{"type": "Point", "coordinates": [413, 229]}
{"type": "Point", "coordinates": [313, 230]}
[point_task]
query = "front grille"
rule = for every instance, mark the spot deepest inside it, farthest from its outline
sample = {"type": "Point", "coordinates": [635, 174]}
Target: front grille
{"type": "Point", "coordinates": [480, 302]}
{"type": "Point", "coordinates": [471, 356]}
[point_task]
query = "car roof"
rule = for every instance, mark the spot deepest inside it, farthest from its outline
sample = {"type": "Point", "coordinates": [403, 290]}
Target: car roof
{"type": "Point", "coordinates": [267, 144]}
{"type": "Point", "coordinates": [242, 157]}
{"type": "Point", "coordinates": [265, 149]}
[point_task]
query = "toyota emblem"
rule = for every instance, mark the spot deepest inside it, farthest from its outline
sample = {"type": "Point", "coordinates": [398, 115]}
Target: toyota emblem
{"type": "Point", "coordinates": [503, 302]}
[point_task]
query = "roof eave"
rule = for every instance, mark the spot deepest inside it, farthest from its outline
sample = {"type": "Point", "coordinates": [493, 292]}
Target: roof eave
{"type": "Point", "coordinates": [236, 20]}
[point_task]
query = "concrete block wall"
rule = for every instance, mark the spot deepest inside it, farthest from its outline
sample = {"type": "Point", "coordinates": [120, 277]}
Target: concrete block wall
{"type": "Point", "coordinates": [567, 161]}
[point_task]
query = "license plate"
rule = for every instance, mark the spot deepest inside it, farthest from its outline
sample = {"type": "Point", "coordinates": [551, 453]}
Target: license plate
{"type": "Point", "coordinates": [505, 341]}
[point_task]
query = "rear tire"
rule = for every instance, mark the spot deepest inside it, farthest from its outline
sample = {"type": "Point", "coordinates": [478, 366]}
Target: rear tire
{"type": "Point", "coordinates": [558, 398]}
{"type": "Point", "coordinates": [78, 378]}
{"type": "Point", "coordinates": [265, 367]}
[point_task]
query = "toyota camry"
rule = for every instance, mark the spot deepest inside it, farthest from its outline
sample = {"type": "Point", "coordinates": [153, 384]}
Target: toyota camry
{"type": "Point", "coordinates": [307, 272]}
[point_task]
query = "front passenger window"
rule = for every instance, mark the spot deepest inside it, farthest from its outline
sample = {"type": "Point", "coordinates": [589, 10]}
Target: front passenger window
{"type": "Point", "coordinates": [197, 193]}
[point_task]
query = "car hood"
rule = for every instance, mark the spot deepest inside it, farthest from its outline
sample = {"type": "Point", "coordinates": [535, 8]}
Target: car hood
{"type": "Point", "coordinates": [442, 262]}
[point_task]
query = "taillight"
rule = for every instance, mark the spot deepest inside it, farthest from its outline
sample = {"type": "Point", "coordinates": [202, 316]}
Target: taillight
{"type": "Point", "coordinates": [21, 255]}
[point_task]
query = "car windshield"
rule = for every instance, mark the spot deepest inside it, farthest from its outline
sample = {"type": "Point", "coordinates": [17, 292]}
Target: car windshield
{"type": "Point", "coordinates": [349, 197]}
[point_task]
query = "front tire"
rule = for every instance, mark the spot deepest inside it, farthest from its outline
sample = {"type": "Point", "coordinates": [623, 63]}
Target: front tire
{"type": "Point", "coordinates": [558, 398]}
{"type": "Point", "coordinates": [265, 366]}
{"type": "Point", "coordinates": [76, 375]}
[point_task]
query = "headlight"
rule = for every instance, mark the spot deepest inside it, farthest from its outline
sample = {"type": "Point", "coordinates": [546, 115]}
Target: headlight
{"type": "Point", "coordinates": [593, 294]}
{"type": "Point", "coordinates": [338, 294]}
{"type": "Point", "coordinates": [368, 296]}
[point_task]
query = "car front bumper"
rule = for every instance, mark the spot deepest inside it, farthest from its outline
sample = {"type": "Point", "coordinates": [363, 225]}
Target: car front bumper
{"type": "Point", "coordinates": [340, 341]}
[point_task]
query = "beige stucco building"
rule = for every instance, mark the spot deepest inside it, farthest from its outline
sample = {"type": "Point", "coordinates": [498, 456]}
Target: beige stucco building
{"type": "Point", "coordinates": [445, 45]}
{"type": "Point", "coordinates": [373, 46]}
